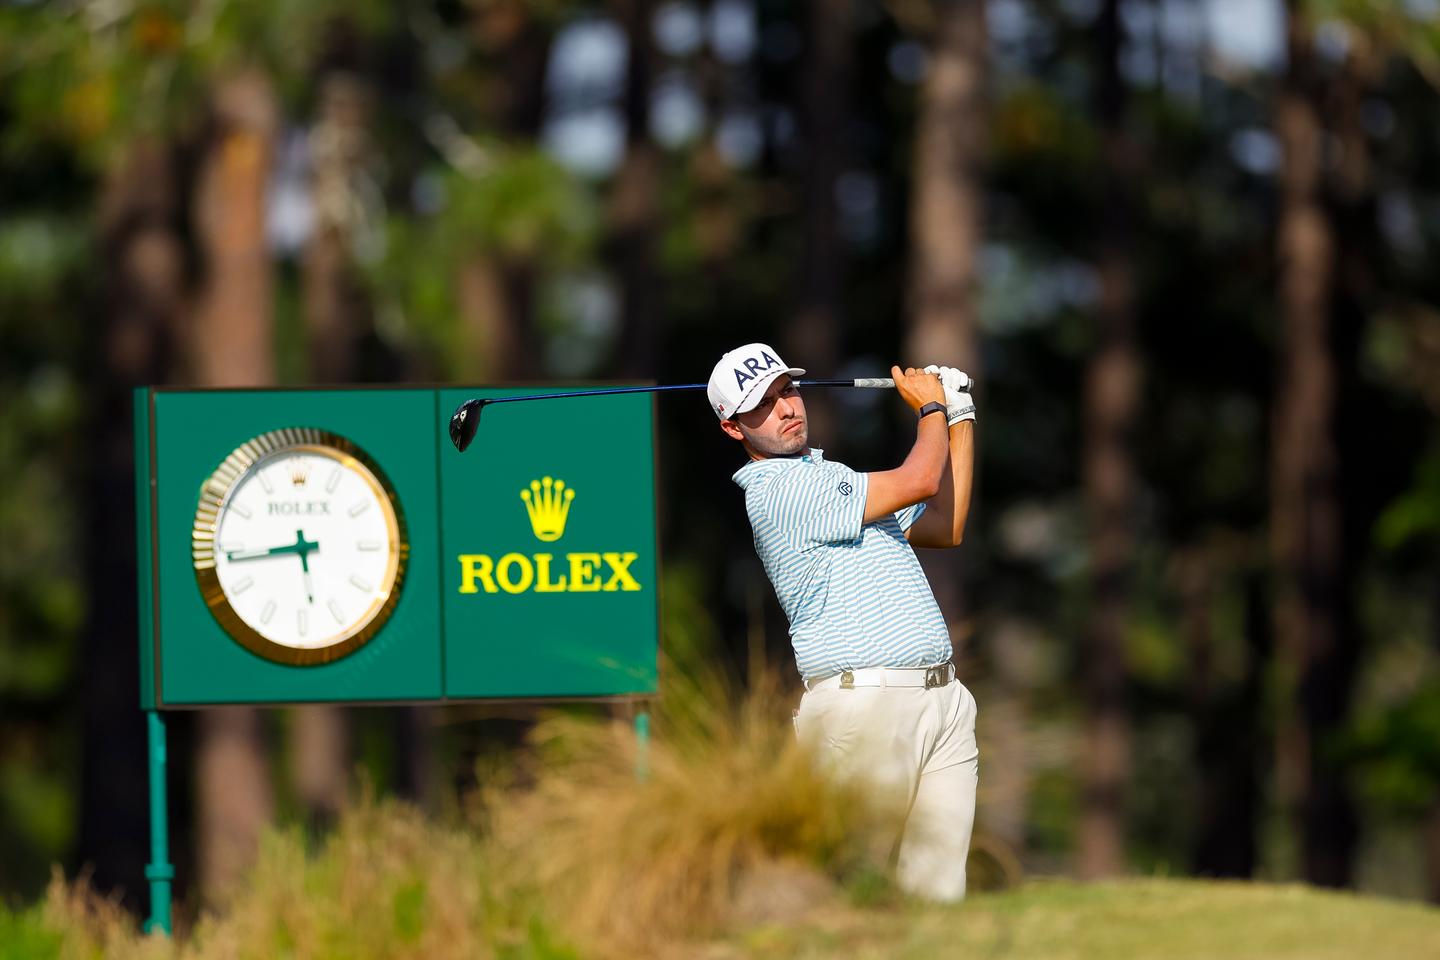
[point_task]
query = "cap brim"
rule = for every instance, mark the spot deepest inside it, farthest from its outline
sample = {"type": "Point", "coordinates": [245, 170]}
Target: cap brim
{"type": "Point", "coordinates": [756, 393]}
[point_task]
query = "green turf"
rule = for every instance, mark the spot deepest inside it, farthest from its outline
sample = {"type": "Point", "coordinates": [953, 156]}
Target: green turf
{"type": "Point", "coordinates": [1125, 920]}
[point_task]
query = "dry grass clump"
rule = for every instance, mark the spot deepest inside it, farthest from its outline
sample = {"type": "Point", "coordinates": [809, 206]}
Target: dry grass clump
{"type": "Point", "coordinates": [386, 883]}
{"type": "Point", "coordinates": [728, 802]}
{"type": "Point", "coordinates": [85, 925]}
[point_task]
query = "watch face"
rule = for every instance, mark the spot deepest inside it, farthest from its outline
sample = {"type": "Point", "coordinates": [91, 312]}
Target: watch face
{"type": "Point", "coordinates": [299, 546]}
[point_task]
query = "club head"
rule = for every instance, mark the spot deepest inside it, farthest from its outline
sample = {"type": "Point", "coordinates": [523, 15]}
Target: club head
{"type": "Point", "coordinates": [464, 422]}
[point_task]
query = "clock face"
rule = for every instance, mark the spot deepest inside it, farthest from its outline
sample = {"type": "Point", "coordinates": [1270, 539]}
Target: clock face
{"type": "Point", "coordinates": [299, 546]}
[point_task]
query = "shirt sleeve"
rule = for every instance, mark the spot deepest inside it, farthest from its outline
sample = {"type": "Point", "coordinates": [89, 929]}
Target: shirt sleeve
{"type": "Point", "coordinates": [907, 516]}
{"type": "Point", "coordinates": [812, 506]}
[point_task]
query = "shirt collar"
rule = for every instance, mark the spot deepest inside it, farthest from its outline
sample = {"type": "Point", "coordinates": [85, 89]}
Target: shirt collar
{"type": "Point", "coordinates": [755, 469]}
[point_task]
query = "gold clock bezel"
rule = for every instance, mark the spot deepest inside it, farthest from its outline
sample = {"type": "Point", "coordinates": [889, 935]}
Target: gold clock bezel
{"type": "Point", "coordinates": [214, 497]}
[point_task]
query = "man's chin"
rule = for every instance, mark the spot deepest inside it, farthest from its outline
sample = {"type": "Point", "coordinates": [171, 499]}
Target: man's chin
{"type": "Point", "coordinates": [786, 445]}
{"type": "Point", "coordinates": [793, 445]}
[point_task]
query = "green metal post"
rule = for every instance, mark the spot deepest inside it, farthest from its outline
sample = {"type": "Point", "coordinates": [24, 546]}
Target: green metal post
{"type": "Point", "coordinates": [642, 745]}
{"type": "Point", "coordinates": [159, 871]}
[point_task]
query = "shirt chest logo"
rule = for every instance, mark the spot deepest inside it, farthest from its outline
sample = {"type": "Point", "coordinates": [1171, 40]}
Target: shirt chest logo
{"type": "Point", "coordinates": [845, 488]}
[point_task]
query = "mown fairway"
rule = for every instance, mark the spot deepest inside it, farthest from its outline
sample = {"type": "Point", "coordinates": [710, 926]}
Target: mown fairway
{"type": "Point", "coordinates": [1128, 920]}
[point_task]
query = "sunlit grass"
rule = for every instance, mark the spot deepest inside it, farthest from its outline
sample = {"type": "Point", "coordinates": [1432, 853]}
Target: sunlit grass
{"type": "Point", "coordinates": [718, 839]}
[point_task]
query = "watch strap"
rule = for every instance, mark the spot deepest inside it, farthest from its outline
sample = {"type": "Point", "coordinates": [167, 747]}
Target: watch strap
{"type": "Point", "coordinates": [932, 407]}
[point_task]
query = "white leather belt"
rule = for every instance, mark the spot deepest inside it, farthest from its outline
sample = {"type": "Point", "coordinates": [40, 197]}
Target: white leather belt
{"type": "Point", "coordinates": [927, 677]}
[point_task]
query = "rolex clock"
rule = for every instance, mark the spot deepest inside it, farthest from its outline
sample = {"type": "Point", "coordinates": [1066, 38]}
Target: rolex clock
{"type": "Point", "coordinates": [299, 546]}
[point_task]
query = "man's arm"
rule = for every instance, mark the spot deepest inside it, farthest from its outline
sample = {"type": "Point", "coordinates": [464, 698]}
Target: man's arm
{"type": "Point", "coordinates": [942, 523]}
{"type": "Point", "coordinates": [919, 477]}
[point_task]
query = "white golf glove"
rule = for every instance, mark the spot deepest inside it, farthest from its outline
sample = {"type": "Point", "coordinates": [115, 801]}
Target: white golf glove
{"type": "Point", "coordinates": [959, 405]}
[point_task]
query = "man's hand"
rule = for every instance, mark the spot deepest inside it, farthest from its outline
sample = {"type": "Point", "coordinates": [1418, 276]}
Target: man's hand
{"type": "Point", "coordinates": [959, 405]}
{"type": "Point", "coordinates": [917, 388]}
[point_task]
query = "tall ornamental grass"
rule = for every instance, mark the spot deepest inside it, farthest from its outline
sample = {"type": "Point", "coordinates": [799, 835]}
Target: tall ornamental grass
{"type": "Point", "coordinates": [721, 816]}
{"type": "Point", "coordinates": [587, 843]}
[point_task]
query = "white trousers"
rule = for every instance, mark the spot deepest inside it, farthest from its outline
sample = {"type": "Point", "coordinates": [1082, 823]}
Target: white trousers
{"type": "Point", "coordinates": [917, 746]}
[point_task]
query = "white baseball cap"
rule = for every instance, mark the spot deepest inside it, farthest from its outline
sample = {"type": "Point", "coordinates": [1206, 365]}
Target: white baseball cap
{"type": "Point", "coordinates": [742, 376]}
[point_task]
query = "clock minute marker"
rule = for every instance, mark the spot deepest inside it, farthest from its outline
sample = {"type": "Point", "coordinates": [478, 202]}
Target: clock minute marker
{"type": "Point", "coordinates": [335, 611]}
{"type": "Point", "coordinates": [268, 612]}
{"type": "Point", "coordinates": [240, 511]}
{"type": "Point", "coordinates": [368, 545]}
{"type": "Point", "coordinates": [302, 623]}
{"type": "Point", "coordinates": [359, 507]}
{"type": "Point", "coordinates": [333, 482]}
{"type": "Point", "coordinates": [360, 584]}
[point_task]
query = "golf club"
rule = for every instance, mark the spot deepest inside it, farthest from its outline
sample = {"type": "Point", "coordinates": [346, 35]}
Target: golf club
{"type": "Point", "coordinates": [466, 419]}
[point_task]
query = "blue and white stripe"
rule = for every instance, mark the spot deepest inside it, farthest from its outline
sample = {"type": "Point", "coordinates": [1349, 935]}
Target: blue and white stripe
{"type": "Point", "coordinates": [854, 592]}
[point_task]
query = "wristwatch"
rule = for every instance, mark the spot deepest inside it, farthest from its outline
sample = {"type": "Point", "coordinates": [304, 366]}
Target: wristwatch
{"type": "Point", "coordinates": [929, 408]}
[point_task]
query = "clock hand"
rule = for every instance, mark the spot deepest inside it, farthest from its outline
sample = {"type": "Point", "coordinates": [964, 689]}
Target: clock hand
{"type": "Point", "coordinates": [257, 554]}
{"type": "Point", "coordinates": [300, 546]}
{"type": "Point", "coordinates": [303, 546]}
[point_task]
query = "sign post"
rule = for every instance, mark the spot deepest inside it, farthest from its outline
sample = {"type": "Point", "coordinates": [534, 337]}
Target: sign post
{"type": "Point", "coordinates": [158, 871]}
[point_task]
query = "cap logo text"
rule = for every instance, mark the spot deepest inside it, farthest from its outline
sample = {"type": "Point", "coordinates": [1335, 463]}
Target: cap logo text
{"type": "Point", "coordinates": [755, 368]}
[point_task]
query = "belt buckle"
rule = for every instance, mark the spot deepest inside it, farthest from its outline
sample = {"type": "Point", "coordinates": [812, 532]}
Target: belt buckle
{"type": "Point", "coordinates": [847, 680]}
{"type": "Point", "coordinates": [935, 677]}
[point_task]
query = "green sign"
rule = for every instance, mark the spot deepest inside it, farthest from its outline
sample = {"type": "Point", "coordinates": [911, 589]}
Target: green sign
{"type": "Point", "coordinates": [331, 545]}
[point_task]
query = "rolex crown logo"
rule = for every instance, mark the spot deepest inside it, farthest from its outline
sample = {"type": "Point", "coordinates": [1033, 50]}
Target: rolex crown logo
{"type": "Point", "coordinates": [299, 472]}
{"type": "Point", "coordinates": [548, 503]}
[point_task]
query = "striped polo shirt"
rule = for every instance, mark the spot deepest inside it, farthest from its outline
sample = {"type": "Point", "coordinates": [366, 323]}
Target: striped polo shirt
{"type": "Point", "coordinates": [854, 592]}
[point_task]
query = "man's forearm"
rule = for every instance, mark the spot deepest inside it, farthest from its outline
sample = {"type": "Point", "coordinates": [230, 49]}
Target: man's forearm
{"type": "Point", "coordinates": [943, 522]}
{"type": "Point", "coordinates": [961, 475]}
{"type": "Point", "coordinates": [929, 456]}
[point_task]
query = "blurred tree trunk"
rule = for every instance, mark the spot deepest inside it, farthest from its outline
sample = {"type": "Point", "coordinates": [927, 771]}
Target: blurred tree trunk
{"type": "Point", "coordinates": [1331, 821]}
{"type": "Point", "coordinates": [497, 294]}
{"type": "Point", "coordinates": [1305, 524]}
{"type": "Point", "coordinates": [634, 202]}
{"type": "Point", "coordinates": [946, 229]}
{"type": "Point", "coordinates": [495, 310]}
{"type": "Point", "coordinates": [334, 317]}
{"type": "Point", "coordinates": [812, 337]}
{"type": "Point", "coordinates": [335, 310]}
{"type": "Point", "coordinates": [1007, 732]}
{"type": "Point", "coordinates": [718, 218]}
{"type": "Point", "coordinates": [1111, 400]}
{"type": "Point", "coordinates": [232, 346]}
{"type": "Point", "coordinates": [947, 205]}
{"type": "Point", "coordinates": [1226, 721]}
{"type": "Point", "coordinates": [1431, 828]}
{"type": "Point", "coordinates": [143, 259]}
{"type": "Point", "coordinates": [1431, 841]}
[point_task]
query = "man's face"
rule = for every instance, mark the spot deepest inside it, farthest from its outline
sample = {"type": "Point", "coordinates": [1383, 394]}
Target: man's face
{"type": "Point", "coordinates": [776, 427]}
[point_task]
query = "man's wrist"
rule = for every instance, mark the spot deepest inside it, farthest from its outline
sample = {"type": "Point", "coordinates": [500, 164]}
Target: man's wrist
{"type": "Point", "coordinates": [958, 406]}
{"type": "Point", "coordinates": [959, 414]}
{"type": "Point", "coordinates": [934, 406]}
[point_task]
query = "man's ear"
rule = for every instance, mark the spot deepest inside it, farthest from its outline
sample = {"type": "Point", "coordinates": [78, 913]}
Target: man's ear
{"type": "Point", "coordinates": [732, 429]}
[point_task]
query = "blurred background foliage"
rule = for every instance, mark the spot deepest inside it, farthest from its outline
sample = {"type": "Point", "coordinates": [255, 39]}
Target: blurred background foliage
{"type": "Point", "coordinates": [490, 190]}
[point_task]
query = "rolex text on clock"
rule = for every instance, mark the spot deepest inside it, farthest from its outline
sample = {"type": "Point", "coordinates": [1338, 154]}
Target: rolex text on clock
{"type": "Point", "coordinates": [299, 546]}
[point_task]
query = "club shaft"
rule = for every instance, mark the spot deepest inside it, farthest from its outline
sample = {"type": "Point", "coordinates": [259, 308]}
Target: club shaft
{"type": "Point", "coordinates": [871, 383]}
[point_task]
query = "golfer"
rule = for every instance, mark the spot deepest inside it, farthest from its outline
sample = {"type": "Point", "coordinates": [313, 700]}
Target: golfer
{"type": "Point", "coordinates": [881, 698]}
